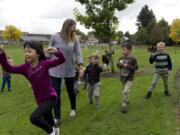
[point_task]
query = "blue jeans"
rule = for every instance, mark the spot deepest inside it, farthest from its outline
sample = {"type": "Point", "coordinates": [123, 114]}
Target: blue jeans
{"type": "Point", "coordinates": [4, 80]}
{"type": "Point", "coordinates": [156, 77]}
{"type": "Point", "coordinates": [56, 82]}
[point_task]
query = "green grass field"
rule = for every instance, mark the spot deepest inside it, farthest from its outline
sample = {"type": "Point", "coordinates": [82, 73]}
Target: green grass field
{"type": "Point", "coordinates": [145, 117]}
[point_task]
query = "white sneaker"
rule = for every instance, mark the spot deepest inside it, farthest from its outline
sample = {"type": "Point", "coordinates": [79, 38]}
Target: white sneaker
{"type": "Point", "coordinates": [57, 131]}
{"type": "Point", "coordinates": [53, 132]}
{"type": "Point", "coordinates": [72, 113]}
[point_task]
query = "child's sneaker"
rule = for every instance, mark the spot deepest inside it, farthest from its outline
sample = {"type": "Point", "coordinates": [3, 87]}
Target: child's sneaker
{"type": "Point", "coordinates": [124, 107]}
{"type": "Point", "coordinates": [97, 107]}
{"type": "Point", "coordinates": [57, 131]}
{"type": "Point", "coordinates": [166, 93]}
{"type": "Point", "coordinates": [91, 101]}
{"type": "Point", "coordinates": [148, 95]}
{"type": "Point", "coordinates": [72, 113]}
{"type": "Point", "coordinates": [53, 132]}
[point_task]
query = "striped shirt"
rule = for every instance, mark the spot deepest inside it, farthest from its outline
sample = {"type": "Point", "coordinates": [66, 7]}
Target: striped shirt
{"type": "Point", "coordinates": [162, 62]}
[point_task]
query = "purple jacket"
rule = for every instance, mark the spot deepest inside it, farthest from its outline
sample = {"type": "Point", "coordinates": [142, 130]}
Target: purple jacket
{"type": "Point", "coordinates": [38, 76]}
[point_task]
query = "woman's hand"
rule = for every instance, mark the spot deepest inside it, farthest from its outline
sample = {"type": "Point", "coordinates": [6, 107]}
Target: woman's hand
{"type": "Point", "coordinates": [81, 71]}
{"type": "Point", "coordinates": [51, 50]}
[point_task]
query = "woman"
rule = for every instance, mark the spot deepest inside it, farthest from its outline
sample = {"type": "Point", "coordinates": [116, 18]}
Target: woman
{"type": "Point", "coordinates": [66, 41]}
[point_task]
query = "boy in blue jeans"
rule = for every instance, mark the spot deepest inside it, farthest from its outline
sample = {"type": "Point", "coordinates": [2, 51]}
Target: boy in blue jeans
{"type": "Point", "coordinates": [163, 67]}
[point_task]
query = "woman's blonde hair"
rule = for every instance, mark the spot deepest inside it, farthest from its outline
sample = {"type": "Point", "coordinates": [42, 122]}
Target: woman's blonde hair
{"type": "Point", "coordinates": [65, 33]}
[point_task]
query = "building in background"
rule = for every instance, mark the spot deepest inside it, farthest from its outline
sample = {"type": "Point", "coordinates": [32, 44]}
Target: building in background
{"type": "Point", "coordinates": [41, 38]}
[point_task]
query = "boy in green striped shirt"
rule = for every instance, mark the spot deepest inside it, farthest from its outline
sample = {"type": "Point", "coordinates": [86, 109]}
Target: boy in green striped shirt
{"type": "Point", "coordinates": [163, 67]}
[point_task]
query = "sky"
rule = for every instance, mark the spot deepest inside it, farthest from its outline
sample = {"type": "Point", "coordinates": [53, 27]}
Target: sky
{"type": "Point", "coordinates": [47, 16]}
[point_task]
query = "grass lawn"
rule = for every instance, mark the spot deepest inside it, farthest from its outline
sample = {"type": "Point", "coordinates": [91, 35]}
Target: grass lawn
{"type": "Point", "coordinates": [145, 117]}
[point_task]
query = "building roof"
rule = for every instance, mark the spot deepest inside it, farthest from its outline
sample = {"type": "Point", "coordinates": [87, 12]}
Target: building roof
{"type": "Point", "coordinates": [35, 38]}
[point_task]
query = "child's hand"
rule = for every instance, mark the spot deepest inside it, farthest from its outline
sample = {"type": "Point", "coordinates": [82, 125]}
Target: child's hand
{"type": "Point", "coordinates": [169, 72]}
{"type": "Point", "coordinates": [51, 50]}
{"type": "Point", "coordinates": [125, 65]}
{"type": "Point", "coordinates": [1, 49]}
{"type": "Point", "coordinates": [81, 72]}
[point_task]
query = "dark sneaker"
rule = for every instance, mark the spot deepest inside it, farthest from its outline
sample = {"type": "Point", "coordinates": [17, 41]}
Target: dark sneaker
{"type": "Point", "coordinates": [166, 93]}
{"type": "Point", "coordinates": [148, 95]}
{"type": "Point", "coordinates": [91, 101]}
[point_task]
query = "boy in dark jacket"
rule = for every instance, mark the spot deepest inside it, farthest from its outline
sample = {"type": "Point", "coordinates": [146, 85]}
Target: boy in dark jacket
{"type": "Point", "coordinates": [93, 71]}
{"type": "Point", "coordinates": [127, 65]}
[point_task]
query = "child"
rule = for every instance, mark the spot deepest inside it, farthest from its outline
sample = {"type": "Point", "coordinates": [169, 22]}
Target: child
{"type": "Point", "coordinates": [6, 76]}
{"type": "Point", "coordinates": [85, 76]}
{"type": "Point", "coordinates": [106, 60]}
{"type": "Point", "coordinates": [163, 67]}
{"type": "Point", "coordinates": [36, 70]}
{"type": "Point", "coordinates": [93, 71]}
{"type": "Point", "coordinates": [127, 65]}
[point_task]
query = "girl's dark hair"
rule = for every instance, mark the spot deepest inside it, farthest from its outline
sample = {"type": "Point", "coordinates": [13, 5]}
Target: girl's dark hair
{"type": "Point", "coordinates": [38, 47]}
{"type": "Point", "coordinates": [127, 46]}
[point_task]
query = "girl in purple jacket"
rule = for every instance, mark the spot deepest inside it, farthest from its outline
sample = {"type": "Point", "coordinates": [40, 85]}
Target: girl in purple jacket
{"type": "Point", "coordinates": [35, 69]}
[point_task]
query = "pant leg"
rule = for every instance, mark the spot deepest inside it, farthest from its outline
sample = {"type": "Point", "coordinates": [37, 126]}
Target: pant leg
{"type": "Point", "coordinates": [165, 82]}
{"type": "Point", "coordinates": [76, 87]}
{"type": "Point", "coordinates": [37, 116]}
{"type": "Point", "coordinates": [49, 118]}
{"type": "Point", "coordinates": [70, 89]}
{"type": "Point", "coordinates": [4, 79]}
{"type": "Point", "coordinates": [154, 82]}
{"type": "Point", "coordinates": [96, 93]}
{"type": "Point", "coordinates": [9, 83]}
{"type": "Point", "coordinates": [90, 93]}
{"type": "Point", "coordinates": [56, 82]}
{"type": "Point", "coordinates": [126, 91]}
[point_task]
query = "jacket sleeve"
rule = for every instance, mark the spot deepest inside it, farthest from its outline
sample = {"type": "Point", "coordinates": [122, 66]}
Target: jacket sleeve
{"type": "Point", "coordinates": [133, 66]}
{"type": "Point", "coordinates": [152, 58]}
{"type": "Point", "coordinates": [169, 63]}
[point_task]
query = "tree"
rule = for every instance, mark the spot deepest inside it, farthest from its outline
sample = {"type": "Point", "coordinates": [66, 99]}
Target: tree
{"type": "Point", "coordinates": [83, 36]}
{"type": "Point", "coordinates": [141, 36]}
{"type": "Point", "coordinates": [175, 30]}
{"type": "Point", "coordinates": [100, 17]}
{"type": "Point", "coordinates": [146, 21]}
{"type": "Point", "coordinates": [160, 32]}
{"type": "Point", "coordinates": [146, 18]}
{"type": "Point", "coordinates": [11, 33]}
{"type": "Point", "coordinates": [119, 35]}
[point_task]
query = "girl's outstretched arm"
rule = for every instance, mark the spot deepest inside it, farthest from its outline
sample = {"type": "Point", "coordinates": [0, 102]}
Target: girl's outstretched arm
{"type": "Point", "coordinates": [59, 60]}
{"type": "Point", "coordinates": [21, 69]}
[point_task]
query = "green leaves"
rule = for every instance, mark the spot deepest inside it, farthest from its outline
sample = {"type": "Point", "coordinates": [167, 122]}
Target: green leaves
{"type": "Point", "coordinates": [100, 16]}
{"type": "Point", "coordinates": [175, 30]}
{"type": "Point", "coordinates": [11, 33]}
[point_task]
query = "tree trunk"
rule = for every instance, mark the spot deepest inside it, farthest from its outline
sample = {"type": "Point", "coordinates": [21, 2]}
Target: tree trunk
{"type": "Point", "coordinates": [111, 59]}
